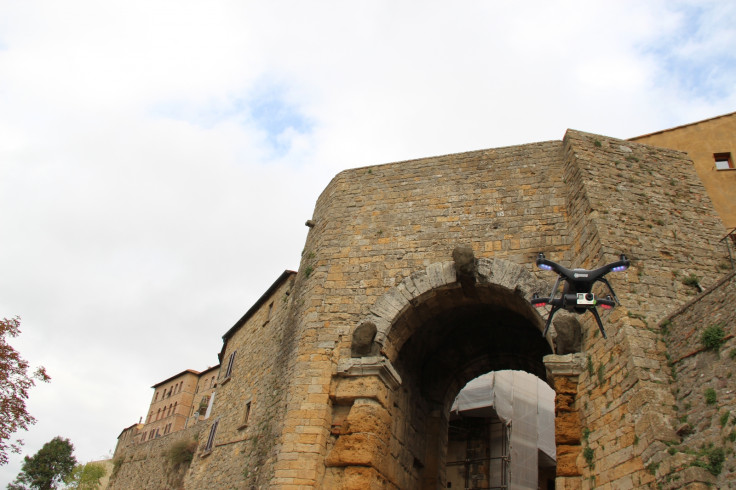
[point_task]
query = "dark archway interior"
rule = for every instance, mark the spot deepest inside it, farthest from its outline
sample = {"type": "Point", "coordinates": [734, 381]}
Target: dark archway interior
{"type": "Point", "coordinates": [460, 339]}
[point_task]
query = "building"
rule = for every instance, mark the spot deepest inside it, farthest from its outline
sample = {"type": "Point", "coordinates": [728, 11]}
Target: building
{"type": "Point", "coordinates": [416, 278]}
{"type": "Point", "coordinates": [711, 144]}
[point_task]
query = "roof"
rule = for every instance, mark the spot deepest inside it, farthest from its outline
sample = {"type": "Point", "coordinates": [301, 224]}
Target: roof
{"type": "Point", "coordinates": [681, 126]}
{"type": "Point", "coordinates": [248, 314]}
{"type": "Point", "coordinates": [189, 371]}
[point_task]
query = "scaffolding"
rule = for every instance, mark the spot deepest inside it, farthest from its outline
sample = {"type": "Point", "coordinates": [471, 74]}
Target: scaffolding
{"type": "Point", "coordinates": [509, 420]}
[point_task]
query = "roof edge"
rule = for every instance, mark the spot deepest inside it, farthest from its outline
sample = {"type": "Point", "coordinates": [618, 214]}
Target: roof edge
{"type": "Point", "coordinates": [634, 138]}
{"type": "Point", "coordinates": [251, 311]}
{"type": "Point", "coordinates": [190, 371]}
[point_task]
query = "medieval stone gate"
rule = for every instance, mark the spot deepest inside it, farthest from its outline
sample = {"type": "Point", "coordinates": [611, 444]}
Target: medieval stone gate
{"type": "Point", "coordinates": [416, 278]}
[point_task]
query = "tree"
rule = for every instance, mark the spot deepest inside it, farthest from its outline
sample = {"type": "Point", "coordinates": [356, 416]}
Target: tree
{"type": "Point", "coordinates": [51, 465]}
{"type": "Point", "coordinates": [86, 477]}
{"type": "Point", "coordinates": [14, 385]}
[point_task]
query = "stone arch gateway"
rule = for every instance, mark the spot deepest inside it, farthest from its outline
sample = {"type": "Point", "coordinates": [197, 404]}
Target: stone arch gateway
{"type": "Point", "coordinates": [434, 332]}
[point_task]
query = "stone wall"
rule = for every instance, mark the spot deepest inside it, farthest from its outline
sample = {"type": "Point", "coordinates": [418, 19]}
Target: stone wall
{"type": "Point", "coordinates": [375, 227]}
{"type": "Point", "coordinates": [648, 203]}
{"type": "Point", "coordinates": [149, 465]}
{"type": "Point", "coordinates": [704, 387]}
{"type": "Point", "coordinates": [248, 404]}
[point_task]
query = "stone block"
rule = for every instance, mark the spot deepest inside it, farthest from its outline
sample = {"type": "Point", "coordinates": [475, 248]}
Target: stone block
{"type": "Point", "coordinates": [568, 428]}
{"type": "Point", "coordinates": [371, 417]}
{"type": "Point", "coordinates": [347, 390]}
{"type": "Point", "coordinates": [567, 460]}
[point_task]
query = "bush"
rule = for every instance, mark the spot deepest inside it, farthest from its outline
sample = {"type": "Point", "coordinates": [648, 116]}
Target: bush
{"type": "Point", "coordinates": [710, 396]}
{"type": "Point", "coordinates": [713, 337]}
{"type": "Point", "coordinates": [716, 456]}
{"type": "Point", "coordinates": [182, 452]}
{"type": "Point", "coordinates": [691, 280]}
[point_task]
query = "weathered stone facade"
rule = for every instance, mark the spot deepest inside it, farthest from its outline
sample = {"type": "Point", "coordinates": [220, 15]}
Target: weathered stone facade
{"type": "Point", "coordinates": [416, 277]}
{"type": "Point", "coordinates": [704, 388]}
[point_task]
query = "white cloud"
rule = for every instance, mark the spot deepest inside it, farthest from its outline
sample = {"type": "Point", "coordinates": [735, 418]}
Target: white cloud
{"type": "Point", "coordinates": [158, 160]}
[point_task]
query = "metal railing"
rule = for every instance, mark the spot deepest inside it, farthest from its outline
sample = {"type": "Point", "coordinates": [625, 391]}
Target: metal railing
{"type": "Point", "coordinates": [730, 241]}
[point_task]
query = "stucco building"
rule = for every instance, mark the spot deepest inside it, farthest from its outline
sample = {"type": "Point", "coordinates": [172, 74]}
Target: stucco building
{"type": "Point", "coordinates": [711, 144]}
{"type": "Point", "coordinates": [416, 278]}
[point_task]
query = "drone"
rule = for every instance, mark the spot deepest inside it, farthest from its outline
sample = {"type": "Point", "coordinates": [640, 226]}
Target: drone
{"type": "Point", "coordinates": [576, 294]}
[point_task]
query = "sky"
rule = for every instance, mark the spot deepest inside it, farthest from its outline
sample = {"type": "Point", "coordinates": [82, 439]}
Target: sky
{"type": "Point", "coordinates": [158, 159]}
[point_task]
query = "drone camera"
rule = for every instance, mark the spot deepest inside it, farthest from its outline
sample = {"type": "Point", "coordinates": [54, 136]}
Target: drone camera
{"type": "Point", "coordinates": [585, 299]}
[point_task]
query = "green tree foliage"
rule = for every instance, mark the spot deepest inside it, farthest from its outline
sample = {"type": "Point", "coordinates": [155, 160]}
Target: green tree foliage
{"type": "Point", "coordinates": [49, 467]}
{"type": "Point", "coordinates": [86, 477]}
{"type": "Point", "coordinates": [14, 385]}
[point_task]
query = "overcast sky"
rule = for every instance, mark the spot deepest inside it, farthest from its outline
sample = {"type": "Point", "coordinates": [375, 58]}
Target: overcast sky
{"type": "Point", "coordinates": [158, 159]}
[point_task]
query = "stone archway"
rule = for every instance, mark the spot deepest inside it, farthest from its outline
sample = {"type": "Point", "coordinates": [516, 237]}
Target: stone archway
{"type": "Point", "coordinates": [422, 341]}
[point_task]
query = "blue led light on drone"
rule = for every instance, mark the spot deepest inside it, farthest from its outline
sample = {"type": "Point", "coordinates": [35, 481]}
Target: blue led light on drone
{"type": "Point", "coordinates": [545, 267]}
{"type": "Point", "coordinates": [620, 268]}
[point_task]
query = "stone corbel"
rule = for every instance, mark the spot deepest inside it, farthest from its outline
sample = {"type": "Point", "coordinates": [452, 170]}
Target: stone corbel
{"type": "Point", "coordinates": [566, 366]}
{"type": "Point", "coordinates": [370, 366]}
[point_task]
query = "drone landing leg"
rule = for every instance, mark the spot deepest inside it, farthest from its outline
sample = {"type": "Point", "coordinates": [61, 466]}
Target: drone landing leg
{"type": "Point", "coordinates": [600, 323]}
{"type": "Point", "coordinates": [549, 320]}
{"type": "Point", "coordinates": [605, 281]}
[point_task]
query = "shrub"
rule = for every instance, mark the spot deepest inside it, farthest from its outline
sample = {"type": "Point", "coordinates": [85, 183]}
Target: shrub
{"type": "Point", "coordinates": [691, 280]}
{"type": "Point", "coordinates": [589, 455]}
{"type": "Point", "coordinates": [182, 452]}
{"type": "Point", "coordinates": [716, 456]}
{"type": "Point", "coordinates": [710, 396]}
{"type": "Point", "coordinates": [713, 337]}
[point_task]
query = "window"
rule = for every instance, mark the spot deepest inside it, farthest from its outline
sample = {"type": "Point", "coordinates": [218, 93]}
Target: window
{"type": "Point", "coordinates": [723, 161]}
{"type": "Point", "coordinates": [203, 404]}
{"type": "Point", "coordinates": [211, 438]}
{"type": "Point", "coordinates": [230, 363]}
{"type": "Point", "coordinates": [246, 416]}
{"type": "Point", "coordinates": [268, 315]}
{"type": "Point", "coordinates": [155, 398]}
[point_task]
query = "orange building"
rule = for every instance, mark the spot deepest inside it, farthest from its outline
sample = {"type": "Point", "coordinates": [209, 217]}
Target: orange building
{"type": "Point", "coordinates": [711, 144]}
{"type": "Point", "coordinates": [173, 402]}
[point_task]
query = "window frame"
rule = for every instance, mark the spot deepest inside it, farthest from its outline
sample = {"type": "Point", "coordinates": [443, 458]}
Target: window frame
{"type": "Point", "coordinates": [723, 157]}
{"type": "Point", "coordinates": [211, 438]}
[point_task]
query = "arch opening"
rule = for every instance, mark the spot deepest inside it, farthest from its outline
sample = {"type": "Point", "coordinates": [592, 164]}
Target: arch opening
{"type": "Point", "coordinates": [442, 343]}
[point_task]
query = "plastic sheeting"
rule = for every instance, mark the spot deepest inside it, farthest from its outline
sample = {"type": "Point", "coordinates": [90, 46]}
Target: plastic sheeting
{"type": "Point", "coordinates": [524, 402]}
